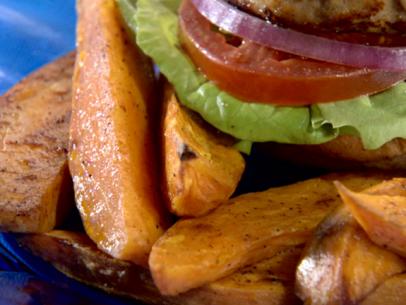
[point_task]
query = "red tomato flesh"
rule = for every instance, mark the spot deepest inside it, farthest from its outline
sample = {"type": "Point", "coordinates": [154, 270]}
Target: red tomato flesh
{"type": "Point", "coordinates": [254, 73]}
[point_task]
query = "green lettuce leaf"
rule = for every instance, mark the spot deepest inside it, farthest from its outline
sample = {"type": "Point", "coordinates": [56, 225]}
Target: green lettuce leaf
{"type": "Point", "coordinates": [376, 119]}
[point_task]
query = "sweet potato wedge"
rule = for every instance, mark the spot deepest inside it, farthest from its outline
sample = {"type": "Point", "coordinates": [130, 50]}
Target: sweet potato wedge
{"type": "Point", "coordinates": [341, 265]}
{"type": "Point", "coordinates": [112, 155]}
{"type": "Point", "coordinates": [200, 171]}
{"type": "Point", "coordinates": [268, 282]}
{"type": "Point", "coordinates": [382, 216]}
{"type": "Point", "coordinates": [391, 292]}
{"type": "Point", "coordinates": [246, 230]}
{"type": "Point", "coordinates": [35, 185]}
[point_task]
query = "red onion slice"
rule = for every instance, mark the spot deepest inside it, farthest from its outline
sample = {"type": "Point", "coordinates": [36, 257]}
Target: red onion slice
{"type": "Point", "coordinates": [236, 22]}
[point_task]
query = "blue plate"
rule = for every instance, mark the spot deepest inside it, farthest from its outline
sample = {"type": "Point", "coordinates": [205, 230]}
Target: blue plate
{"type": "Point", "coordinates": [27, 279]}
{"type": "Point", "coordinates": [33, 33]}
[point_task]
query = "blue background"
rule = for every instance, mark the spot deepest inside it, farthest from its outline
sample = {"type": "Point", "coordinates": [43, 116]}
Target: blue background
{"type": "Point", "coordinates": [32, 33]}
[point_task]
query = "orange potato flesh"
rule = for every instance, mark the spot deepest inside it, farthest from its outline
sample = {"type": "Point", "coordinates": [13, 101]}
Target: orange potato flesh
{"type": "Point", "coordinates": [341, 265]}
{"type": "Point", "coordinates": [111, 137]}
{"type": "Point", "coordinates": [200, 171]}
{"type": "Point", "coordinates": [269, 282]}
{"type": "Point", "coordinates": [74, 254]}
{"type": "Point", "coordinates": [35, 185]}
{"type": "Point", "coordinates": [391, 292]}
{"type": "Point", "coordinates": [383, 217]}
{"type": "Point", "coordinates": [393, 187]}
{"type": "Point", "coordinates": [246, 230]}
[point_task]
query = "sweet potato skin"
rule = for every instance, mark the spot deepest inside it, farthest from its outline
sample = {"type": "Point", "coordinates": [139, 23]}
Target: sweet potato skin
{"type": "Point", "coordinates": [74, 254]}
{"type": "Point", "coordinates": [200, 170]}
{"type": "Point", "coordinates": [253, 227]}
{"type": "Point", "coordinates": [35, 184]}
{"type": "Point", "coordinates": [111, 137]}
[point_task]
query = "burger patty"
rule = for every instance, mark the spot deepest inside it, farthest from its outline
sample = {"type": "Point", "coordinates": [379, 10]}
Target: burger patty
{"type": "Point", "coordinates": [332, 15]}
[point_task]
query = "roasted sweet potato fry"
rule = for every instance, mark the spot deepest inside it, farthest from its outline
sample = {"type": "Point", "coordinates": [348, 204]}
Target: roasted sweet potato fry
{"type": "Point", "coordinates": [35, 185]}
{"type": "Point", "coordinates": [268, 282]}
{"type": "Point", "coordinates": [246, 230]}
{"type": "Point", "coordinates": [200, 170]}
{"type": "Point", "coordinates": [341, 265]}
{"type": "Point", "coordinates": [391, 292]}
{"type": "Point", "coordinates": [112, 159]}
{"type": "Point", "coordinates": [382, 216]}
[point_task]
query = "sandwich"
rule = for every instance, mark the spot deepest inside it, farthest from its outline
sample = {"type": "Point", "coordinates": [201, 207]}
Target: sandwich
{"type": "Point", "coordinates": [248, 249]}
{"type": "Point", "coordinates": [323, 80]}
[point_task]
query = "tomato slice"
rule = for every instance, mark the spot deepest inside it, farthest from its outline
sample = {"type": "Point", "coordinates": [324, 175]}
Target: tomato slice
{"type": "Point", "coordinates": [254, 73]}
